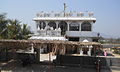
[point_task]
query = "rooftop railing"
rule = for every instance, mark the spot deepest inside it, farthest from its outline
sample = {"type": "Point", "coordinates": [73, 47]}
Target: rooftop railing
{"type": "Point", "coordinates": [65, 14]}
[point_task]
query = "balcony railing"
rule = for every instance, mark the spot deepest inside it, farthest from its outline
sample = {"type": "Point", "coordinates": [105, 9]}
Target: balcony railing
{"type": "Point", "coordinates": [66, 14]}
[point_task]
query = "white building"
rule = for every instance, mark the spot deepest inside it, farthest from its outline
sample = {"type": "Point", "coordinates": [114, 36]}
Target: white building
{"type": "Point", "coordinates": [75, 26]}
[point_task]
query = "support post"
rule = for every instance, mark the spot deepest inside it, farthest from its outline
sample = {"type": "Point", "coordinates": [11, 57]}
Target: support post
{"type": "Point", "coordinates": [37, 25]}
{"type": "Point", "coordinates": [79, 26]}
{"type": "Point", "coordinates": [81, 52]}
{"type": "Point", "coordinates": [57, 22]}
{"type": "Point", "coordinates": [46, 22]}
{"type": "Point", "coordinates": [37, 55]}
{"type": "Point", "coordinates": [89, 52]}
{"type": "Point", "coordinates": [68, 28]}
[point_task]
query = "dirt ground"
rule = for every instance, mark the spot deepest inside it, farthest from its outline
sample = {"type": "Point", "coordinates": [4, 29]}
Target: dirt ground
{"type": "Point", "coordinates": [49, 68]}
{"type": "Point", "coordinates": [17, 67]}
{"type": "Point", "coordinates": [13, 66]}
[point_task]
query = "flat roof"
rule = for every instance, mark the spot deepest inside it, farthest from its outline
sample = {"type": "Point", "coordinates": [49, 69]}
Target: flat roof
{"type": "Point", "coordinates": [64, 18]}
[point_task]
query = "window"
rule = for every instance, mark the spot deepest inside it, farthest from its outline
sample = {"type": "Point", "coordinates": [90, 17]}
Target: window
{"type": "Point", "coordinates": [74, 26]}
{"type": "Point", "coordinates": [52, 24]}
{"type": "Point", "coordinates": [85, 26]}
{"type": "Point", "coordinates": [73, 38]}
{"type": "Point", "coordinates": [63, 25]}
{"type": "Point", "coordinates": [42, 25]}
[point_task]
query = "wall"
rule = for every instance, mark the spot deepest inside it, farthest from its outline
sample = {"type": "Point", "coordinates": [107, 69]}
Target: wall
{"type": "Point", "coordinates": [86, 61]}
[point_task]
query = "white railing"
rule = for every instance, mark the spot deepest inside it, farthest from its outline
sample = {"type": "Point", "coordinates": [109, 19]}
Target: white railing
{"type": "Point", "coordinates": [49, 32]}
{"type": "Point", "coordinates": [66, 14]}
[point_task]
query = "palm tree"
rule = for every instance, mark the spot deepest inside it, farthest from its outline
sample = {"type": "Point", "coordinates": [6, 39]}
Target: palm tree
{"type": "Point", "coordinates": [17, 31]}
{"type": "Point", "coordinates": [3, 26]}
{"type": "Point", "coordinates": [25, 31]}
{"type": "Point", "coordinates": [14, 28]}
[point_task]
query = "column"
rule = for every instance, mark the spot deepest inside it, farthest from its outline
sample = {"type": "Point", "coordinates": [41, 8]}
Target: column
{"type": "Point", "coordinates": [41, 50]}
{"type": "Point", "coordinates": [46, 22]}
{"type": "Point", "coordinates": [80, 26]}
{"type": "Point", "coordinates": [37, 25]}
{"type": "Point", "coordinates": [57, 22]}
{"type": "Point", "coordinates": [68, 22]}
{"type": "Point", "coordinates": [91, 26]}
{"type": "Point", "coordinates": [68, 26]}
{"type": "Point", "coordinates": [81, 52]}
{"type": "Point", "coordinates": [32, 49]}
{"type": "Point", "coordinates": [89, 52]}
{"type": "Point", "coordinates": [37, 55]}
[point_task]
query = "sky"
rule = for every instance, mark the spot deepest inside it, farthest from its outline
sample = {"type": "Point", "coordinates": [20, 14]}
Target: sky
{"type": "Point", "coordinates": [107, 12]}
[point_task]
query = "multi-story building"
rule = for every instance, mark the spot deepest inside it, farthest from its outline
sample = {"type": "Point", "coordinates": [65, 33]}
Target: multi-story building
{"type": "Point", "coordinates": [75, 26]}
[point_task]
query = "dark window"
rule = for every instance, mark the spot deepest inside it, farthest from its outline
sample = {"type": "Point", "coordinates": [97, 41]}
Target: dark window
{"type": "Point", "coordinates": [42, 25]}
{"type": "Point", "coordinates": [85, 26]}
{"type": "Point", "coordinates": [74, 26]}
{"type": "Point", "coordinates": [85, 50]}
{"type": "Point", "coordinates": [73, 38]}
{"type": "Point", "coordinates": [52, 24]}
{"type": "Point", "coordinates": [95, 40]}
{"type": "Point", "coordinates": [63, 26]}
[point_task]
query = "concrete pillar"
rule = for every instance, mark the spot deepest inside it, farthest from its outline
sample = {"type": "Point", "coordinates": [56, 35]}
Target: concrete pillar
{"type": "Point", "coordinates": [37, 25]}
{"type": "Point", "coordinates": [91, 26]}
{"type": "Point", "coordinates": [37, 55]}
{"type": "Point", "coordinates": [57, 22]}
{"type": "Point", "coordinates": [68, 24]}
{"type": "Point", "coordinates": [46, 22]}
{"type": "Point", "coordinates": [81, 52]}
{"type": "Point", "coordinates": [80, 26]}
{"type": "Point", "coordinates": [89, 52]}
{"type": "Point", "coordinates": [32, 49]}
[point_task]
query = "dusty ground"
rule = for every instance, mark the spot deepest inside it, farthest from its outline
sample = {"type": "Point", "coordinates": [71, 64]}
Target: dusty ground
{"type": "Point", "coordinates": [49, 68]}
{"type": "Point", "coordinates": [13, 66]}
{"type": "Point", "coordinates": [17, 67]}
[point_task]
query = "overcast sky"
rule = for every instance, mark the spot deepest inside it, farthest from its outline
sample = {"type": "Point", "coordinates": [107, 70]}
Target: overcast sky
{"type": "Point", "coordinates": [107, 12]}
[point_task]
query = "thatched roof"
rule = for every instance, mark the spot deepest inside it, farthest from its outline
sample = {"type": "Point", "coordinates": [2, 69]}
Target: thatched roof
{"type": "Point", "coordinates": [27, 43]}
{"type": "Point", "coordinates": [116, 47]}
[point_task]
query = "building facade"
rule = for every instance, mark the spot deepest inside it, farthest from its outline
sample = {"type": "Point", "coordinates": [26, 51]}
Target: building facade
{"type": "Point", "coordinates": [74, 26]}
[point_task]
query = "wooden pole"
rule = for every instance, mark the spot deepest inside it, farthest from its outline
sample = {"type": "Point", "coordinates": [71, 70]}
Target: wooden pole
{"type": "Point", "coordinates": [49, 58]}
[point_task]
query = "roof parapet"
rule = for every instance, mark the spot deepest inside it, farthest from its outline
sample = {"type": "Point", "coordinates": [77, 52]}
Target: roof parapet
{"type": "Point", "coordinates": [67, 14]}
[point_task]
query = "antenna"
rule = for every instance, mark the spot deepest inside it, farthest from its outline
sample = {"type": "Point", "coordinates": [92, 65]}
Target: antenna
{"type": "Point", "coordinates": [65, 8]}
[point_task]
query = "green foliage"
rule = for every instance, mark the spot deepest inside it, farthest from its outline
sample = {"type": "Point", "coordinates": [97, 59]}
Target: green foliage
{"type": "Point", "coordinates": [3, 26]}
{"type": "Point", "coordinates": [12, 29]}
{"type": "Point", "coordinates": [25, 31]}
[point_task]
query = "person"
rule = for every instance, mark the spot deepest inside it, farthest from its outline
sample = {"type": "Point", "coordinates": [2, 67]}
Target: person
{"type": "Point", "coordinates": [97, 63]}
{"type": "Point", "coordinates": [105, 53]}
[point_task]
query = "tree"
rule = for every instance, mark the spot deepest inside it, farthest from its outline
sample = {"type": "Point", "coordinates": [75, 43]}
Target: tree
{"type": "Point", "coordinates": [13, 29]}
{"type": "Point", "coordinates": [18, 31]}
{"type": "Point", "coordinates": [3, 26]}
{"type": "Point", "coordinates": [25, 32]}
